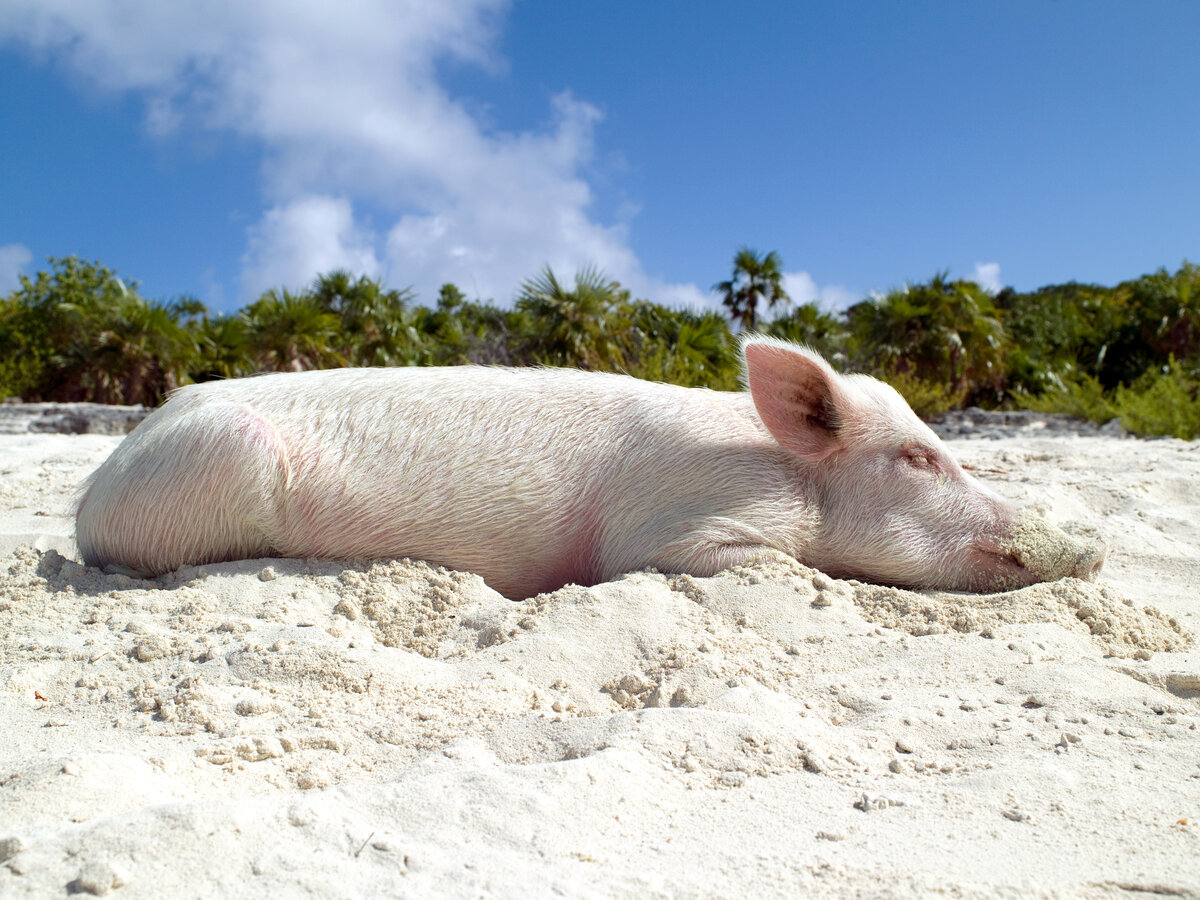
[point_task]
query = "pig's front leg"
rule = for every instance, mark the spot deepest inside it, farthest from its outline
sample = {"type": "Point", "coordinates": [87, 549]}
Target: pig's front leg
{"type": "Point", "coordinates": [699, 554]}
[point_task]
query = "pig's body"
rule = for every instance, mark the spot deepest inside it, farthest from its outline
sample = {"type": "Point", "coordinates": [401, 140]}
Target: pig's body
{"type": "Point", "coordinates": [531, 478]}
{"type": "Point", "coordinates": [534, 478]}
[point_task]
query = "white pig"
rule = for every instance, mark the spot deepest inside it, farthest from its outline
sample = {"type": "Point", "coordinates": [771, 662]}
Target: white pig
{"type": "Point", "coordinates": [534, 478]}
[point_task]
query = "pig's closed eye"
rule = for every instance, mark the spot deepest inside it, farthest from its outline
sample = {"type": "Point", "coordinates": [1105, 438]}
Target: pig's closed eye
{"type": "Point", "coordinates": [922, 458]}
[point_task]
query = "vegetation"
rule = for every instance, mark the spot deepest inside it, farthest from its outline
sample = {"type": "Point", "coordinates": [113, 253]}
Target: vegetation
{"type": "Point", "coordinates": [943, 332]}
{"type": "Point", "coordinates": [79, 333]}
{"type": "Point", "coordinates": [755, 279]}
{"type": "Point", "coordinates": [1129, 352]}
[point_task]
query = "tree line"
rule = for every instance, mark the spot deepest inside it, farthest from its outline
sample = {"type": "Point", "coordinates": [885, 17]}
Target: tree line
{"type": "Point", "coordinates": [79, 332]}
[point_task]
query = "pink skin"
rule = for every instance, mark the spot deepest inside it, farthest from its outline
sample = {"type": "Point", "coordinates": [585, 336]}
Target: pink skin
{"type": "Point", "coordinates": [954, 539]}
{"type": "Point", "coordinates": [537, 478]}
{"type": "Point", "coordinates": [897, 508]}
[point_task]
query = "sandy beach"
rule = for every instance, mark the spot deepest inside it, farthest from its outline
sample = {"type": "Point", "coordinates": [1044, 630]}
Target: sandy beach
{"type": "Point", "coordinates": [279, 728]}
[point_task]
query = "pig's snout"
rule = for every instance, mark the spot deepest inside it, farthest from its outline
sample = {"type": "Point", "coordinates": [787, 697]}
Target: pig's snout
{"type": "Point", "coordinates": [1088, 565]}
{"type": "Point", "coordinates": [1047, 553]}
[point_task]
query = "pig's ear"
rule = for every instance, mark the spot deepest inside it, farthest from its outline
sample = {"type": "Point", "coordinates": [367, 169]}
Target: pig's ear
{"type": "Point", "coordinates": [797, 396]}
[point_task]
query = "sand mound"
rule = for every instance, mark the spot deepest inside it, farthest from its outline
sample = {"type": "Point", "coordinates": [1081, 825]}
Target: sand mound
{"type": "Point", "coordinates": [321, 672]}
{"type": "Point", "coordinates": [1116, 624]}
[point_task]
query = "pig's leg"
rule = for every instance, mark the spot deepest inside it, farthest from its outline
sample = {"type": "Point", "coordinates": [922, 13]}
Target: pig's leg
{"type": "Point", "coordinates": [203, 487]}
{"type": "Point", "coordinates": [719, 545]}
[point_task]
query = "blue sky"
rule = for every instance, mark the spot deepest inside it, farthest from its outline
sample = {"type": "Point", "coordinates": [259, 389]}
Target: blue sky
{"type": "Point", "coordinates": [219, 148]}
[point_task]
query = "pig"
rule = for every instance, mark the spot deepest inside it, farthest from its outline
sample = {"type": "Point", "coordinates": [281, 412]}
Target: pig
{"type": "Point", "coordinates": [535, 478]}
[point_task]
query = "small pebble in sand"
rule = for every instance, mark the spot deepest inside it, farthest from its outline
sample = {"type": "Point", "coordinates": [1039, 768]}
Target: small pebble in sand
{"type": "Point", "coordinates": [872, 803]}
{"type": "Point", "coordinates": [301, 814]}
{"type": "Point", "coordinates": [151, 648]}
{"type": "Point", "coordinates": [253, 706]}
{"type": "Point", "coordinates": [313, 779]}
{"type": "Point", "coordinates": [96, 878]}
{"type": "Point", "coordinates": [10, 847]}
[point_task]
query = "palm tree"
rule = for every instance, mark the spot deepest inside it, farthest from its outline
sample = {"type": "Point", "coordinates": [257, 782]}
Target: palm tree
{"type": "Point", "coordinates": [754, 280]}
{"type": "Point", "coordinates": [112, 346]}
{"type": "Point", "coordinates": [970, 325]}
{"type": "Point", "coordinates": [681, 347]}
{"type": "Point", "coordinates": [225, 350]}
{"type": "Point", "coordinates": [374, 321]}
{"type": "Point", "coordinates": [942, 331]}
{"type": "Point", "coordinates": [807, 324]}
{"type": "Point", "coordinates": [577, 327]}
{"type": "Point", "coordinates": [292, 332]}
{"type": "Point", "coordinates": [135, 352]}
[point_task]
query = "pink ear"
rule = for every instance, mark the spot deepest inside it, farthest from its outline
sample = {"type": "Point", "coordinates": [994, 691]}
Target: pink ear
{"type": "Point", "coordinates": [797, 397]}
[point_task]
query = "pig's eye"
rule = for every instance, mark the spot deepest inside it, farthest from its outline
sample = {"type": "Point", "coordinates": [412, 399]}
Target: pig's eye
{"type": "Point", "coordinates": [921, 458]}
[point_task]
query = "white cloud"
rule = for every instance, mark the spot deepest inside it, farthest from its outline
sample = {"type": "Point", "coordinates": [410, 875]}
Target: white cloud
{"type": "Point", "coordinates": [679, 296]}
{"type": "Point", "coordinates": [987, 276]}
{"type": "Point", "coordinates": [347, 104]}
{"type": "Point", "coordinates": [302, 239]}
{"type": "Point", "coordinates": [13, 259]}
{"type": "Point", "coordinates": [521, 206]}
{"type": "Point", "coordinates": [802, 288]}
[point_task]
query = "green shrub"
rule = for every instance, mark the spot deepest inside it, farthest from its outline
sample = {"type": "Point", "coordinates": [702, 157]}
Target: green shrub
{"type": "Point", "coordinates": [24, 349]}
{"type": "Point", "coordinates": [927, 397]}
{"type": "Point", "coordinates": [1162, 403]}
{"type": "Point", "coordinates": [1079, 395]}
{"type": "Point", "coordinates": [670, 367]}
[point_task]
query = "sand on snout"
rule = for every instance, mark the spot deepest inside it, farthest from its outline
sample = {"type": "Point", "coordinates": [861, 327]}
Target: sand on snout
{"type": "Point", "coordinates": [1049, 552]}
{"type": "Point", "coordinates": [387, 728]}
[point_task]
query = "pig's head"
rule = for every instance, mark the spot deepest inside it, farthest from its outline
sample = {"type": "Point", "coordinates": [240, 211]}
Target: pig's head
{"type": "Point", "coordinates": [896, 508]}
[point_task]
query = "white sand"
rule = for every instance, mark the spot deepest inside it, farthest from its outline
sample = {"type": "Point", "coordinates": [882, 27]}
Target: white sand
{"type": "Point", "coordinates": [285, 728]}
